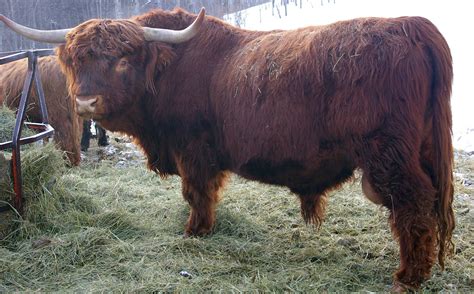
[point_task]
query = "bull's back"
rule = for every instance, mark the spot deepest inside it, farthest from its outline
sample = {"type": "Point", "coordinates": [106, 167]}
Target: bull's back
{"type": "Point", "coordinates": [290, 94]}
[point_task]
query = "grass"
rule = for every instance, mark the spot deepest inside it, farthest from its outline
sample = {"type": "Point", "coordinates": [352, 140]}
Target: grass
{"type": "Point", "coordinates": [7, 124]}
{"type": "Point", "coordinates": [101, 228]}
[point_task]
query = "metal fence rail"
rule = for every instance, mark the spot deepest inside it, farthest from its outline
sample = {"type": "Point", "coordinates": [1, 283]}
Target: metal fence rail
{"type": "Point", "coordinates": [43, 128]}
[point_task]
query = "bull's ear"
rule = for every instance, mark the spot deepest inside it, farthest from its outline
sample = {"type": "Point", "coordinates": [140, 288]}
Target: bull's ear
{"type": "Point", "coordinates": [159, 55]}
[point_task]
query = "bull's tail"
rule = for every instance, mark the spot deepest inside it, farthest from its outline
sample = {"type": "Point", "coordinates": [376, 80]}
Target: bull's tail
{"type": "Point", "coordinates": [442, 156]}
{"type": "Point", "coordinates": [443, 165]}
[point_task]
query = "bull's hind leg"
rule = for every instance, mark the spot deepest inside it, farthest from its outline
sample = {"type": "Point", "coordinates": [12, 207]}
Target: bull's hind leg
{"type": "Point", "coordinates": [398, 181]}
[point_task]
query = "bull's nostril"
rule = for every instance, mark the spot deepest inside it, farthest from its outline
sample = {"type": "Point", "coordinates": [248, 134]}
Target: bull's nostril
{"type": "Point", "coordinates": [84, 105]}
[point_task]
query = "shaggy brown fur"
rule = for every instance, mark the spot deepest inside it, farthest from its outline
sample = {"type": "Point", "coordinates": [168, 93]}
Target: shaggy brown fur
{"type": "Point", "coordinates": [300, 108]}
{"type": "Point", "coordinates": [67, 125]}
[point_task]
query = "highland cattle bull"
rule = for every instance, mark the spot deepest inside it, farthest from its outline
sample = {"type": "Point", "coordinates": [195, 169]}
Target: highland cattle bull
{"type": "Point", "coordinates": [301, 108]}
{"type": "Point", "coordinates": [70, 129]}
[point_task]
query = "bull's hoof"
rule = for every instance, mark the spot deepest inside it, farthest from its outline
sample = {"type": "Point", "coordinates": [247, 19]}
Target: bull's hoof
{"type": "Point", "coordinates": [399, 287]}
{"type": "Point", "coordinates": [187, 235]}
{"type": "Point", "coordinates": [196, 233]}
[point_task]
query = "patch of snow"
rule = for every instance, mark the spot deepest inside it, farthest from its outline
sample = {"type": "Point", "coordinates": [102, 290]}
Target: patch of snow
{"type": "Point", "coordinates": [464, 140]}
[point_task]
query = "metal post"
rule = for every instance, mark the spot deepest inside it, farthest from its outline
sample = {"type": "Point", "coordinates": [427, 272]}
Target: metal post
{"type": "Point", "coordinates": [40, 92]}
{"type": "Point", "coordinates": [16, 158]}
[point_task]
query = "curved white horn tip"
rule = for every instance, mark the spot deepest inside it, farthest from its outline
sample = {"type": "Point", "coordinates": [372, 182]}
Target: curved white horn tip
{"type": "Point", "coordinates": [201, 15]}
{"type": "Point", "coordinates": [4, 19]}
{"type": "Point", "coordinates": [202, 12]}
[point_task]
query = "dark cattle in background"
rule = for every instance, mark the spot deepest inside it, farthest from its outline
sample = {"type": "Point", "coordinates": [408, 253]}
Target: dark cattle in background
{"type": "Point", "coordinates": [301, 108]}
{"type": "Point", "coordinates": [100, 133]}
{"type": "Point", "coordinates": [66, 123]}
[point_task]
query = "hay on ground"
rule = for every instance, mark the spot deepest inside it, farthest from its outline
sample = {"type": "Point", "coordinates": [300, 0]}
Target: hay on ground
{"type": "Point", "coordinates": [41, 165]}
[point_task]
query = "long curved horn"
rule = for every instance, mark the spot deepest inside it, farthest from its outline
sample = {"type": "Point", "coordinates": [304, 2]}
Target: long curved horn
{"type": "Point", "coordinates": [51, 36]}
{"type": "Point", "coordinates": [172, 36]}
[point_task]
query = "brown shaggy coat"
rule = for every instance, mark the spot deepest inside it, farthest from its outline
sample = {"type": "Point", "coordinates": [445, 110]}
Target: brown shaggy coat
{"type": "Point", "coordinates": [67, 125]}
{"type": "Point", "coordinates": [301, 108]}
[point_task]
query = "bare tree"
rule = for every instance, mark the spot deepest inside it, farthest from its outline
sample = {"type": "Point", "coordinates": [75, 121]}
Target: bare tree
{"type": "Point", "coordinates": [56, 14]}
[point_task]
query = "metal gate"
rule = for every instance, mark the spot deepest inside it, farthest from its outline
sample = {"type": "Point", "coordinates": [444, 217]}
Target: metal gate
{"type": "Point", "coordinates": [43, 129]}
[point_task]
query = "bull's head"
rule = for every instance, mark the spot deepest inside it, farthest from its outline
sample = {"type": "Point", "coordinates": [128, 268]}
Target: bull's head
{"type": "Point", "coordinates": [110, 63]}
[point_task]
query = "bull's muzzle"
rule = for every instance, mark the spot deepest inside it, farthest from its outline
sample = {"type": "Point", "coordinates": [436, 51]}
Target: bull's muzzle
{"type": "Point", "coordinates": [85, 105]}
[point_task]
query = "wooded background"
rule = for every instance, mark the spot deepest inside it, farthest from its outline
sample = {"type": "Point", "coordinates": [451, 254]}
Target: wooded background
{"type": "Point", "coordinates": [60, 14]}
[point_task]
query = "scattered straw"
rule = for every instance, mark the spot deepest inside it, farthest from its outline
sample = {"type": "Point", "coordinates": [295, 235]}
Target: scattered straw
{"type": "Point", "coordinates": [7, 124]}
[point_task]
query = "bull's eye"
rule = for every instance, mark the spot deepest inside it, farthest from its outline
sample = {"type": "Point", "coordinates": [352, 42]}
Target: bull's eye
{"type": "Point", "coordinates": [123, 62]}
{"type": "Point", "coordinates": [122, 65]}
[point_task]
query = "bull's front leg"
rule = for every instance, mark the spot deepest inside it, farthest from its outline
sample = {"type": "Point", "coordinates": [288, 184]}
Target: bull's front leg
{"type": "Point", "coordinates": [201, 182]}
{"type": "Point", "coordinates": [203, 198]}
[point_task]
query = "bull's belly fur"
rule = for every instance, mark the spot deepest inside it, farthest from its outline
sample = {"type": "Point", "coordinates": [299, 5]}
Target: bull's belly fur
{"type": "Point", "coordinates": [298, 176]}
